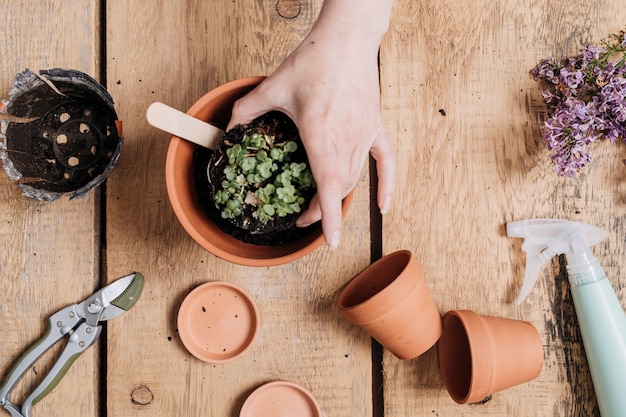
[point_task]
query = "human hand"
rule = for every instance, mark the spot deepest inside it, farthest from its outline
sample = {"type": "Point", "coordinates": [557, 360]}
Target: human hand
{"type": "Point", "coordinates": [329, 87]}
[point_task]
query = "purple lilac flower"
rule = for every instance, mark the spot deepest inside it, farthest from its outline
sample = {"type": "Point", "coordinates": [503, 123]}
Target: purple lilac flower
{"type": "Point", "coordinates": [612, 108]}
{"type": "Point", "coordinates": [545, 70]}
{"type": "Point", "coordinates": [586, 99]}
{"type": "Point", "coordinates": [571, 78]}
{"type": "Point", "coordinates": [590, 53]}
{"type": "Point", "coordinates": [568, 133]}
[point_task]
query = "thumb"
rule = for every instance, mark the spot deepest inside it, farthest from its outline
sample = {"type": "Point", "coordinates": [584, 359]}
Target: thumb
{"type": "Point", "coordinates": [249, 107]}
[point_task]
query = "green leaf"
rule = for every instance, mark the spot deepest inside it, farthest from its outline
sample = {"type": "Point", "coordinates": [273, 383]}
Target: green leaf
{"type": "Point", "coordinates": [277, 154]}
{"type": "Point", "coordinates": [255, 140]}
{"type": "Point", "coordinates": [235, 154]}
{"type": "Point", "coordinates": [221, 197]}
{"type": "Point", "coordinates": [291, 146]}
{"type": "Point", "coordinates": [265, 169]}
{"type": "Point", "coordinates": [230, 173]}
{"type": "Point", "coordinates": [286, 193]}
{"type": "Point", "coordinates": [265, 193]}
{"type": "Point", "coordinates": [234, 203]}
{"type": "Point", "coordinates": [248, 164]}
{"type": "Point", "coordinates": [261, 156]}
{"type": "Point", "coordinates": [296, 168]}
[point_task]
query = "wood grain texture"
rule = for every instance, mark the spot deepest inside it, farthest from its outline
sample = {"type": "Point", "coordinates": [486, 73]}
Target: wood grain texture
{"type": "Point", "coordinates": [465, 116]}
{"type": "Point", "coordinates": [175, 52]}
{"type": "Point", "coordinates": [49, 255]}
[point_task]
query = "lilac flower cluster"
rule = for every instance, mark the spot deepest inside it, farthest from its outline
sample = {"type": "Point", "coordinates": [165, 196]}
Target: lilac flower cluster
{"type": "Point", "coordinates": [586, 98]}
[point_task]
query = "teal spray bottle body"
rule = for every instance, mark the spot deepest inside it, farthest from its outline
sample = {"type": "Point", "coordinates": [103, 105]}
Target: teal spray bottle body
{"type": "Point", "coordinates": [600, 316]}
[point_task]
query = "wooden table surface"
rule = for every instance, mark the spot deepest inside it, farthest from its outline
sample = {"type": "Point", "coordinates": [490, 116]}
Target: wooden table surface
{"type": "Point", "coordinates": [465, 117]}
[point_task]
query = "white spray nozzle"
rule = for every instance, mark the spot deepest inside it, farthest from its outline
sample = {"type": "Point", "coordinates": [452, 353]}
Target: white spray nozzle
{"type": "Point", "coordinates": [546, 238]}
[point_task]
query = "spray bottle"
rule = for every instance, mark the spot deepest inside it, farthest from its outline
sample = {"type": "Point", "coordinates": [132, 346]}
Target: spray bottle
{"type": "Point", "coordinates": [600, 316]}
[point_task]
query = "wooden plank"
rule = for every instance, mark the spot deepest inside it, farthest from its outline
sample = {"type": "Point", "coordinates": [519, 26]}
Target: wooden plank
{"type": "Point", "coordinates": [466, 117]}
{"type": "Point", "coordinates": [180, 50]}
{"type": "Point", "coordinates": [50, 250]}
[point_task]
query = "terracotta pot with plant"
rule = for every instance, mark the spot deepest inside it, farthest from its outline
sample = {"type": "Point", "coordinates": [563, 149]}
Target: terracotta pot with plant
{"type": "Point", "coordinates": [256, 179]}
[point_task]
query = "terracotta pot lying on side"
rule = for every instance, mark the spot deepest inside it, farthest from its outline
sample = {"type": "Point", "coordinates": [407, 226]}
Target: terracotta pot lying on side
{"type": "Point", "coordinates": [481, 355]}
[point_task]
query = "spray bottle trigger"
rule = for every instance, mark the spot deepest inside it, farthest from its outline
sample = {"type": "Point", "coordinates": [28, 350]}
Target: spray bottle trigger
{"type": "Point", "coordinates": [534, 263]}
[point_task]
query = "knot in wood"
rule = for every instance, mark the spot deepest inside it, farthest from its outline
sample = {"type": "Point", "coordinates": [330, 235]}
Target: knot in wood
{"type": "Point", "coordinates": [141, 395]}
{"type": "Point", "coordinates": [288, 9]}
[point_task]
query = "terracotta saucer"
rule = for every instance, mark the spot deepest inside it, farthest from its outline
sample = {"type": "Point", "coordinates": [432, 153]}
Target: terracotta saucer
{"type": "Point", "coordinates": [218, 322]}
{"type": "Point", "coordinates": [280, 399]}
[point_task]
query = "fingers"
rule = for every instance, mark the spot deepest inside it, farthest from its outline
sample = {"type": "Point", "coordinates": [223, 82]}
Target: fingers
{"type": "Point", "coordinates": [327, 206]}
{"type": "Point", "coordinates": [330, 197]}
{"type": "Point", "coordinates": [385, 158]}
{"type": "Point", "coordinates": [331, 188]}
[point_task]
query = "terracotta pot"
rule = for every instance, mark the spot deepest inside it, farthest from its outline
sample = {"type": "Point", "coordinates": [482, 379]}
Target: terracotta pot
{"type": "Point", "coordinates": [390, 301]}
{"type": "Point", "coordinates": [481, 355]}
{"type": "Point", "coordinates": [215, 107]}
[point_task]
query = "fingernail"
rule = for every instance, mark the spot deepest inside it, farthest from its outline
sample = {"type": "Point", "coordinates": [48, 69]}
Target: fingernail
{"type": "Point", "coordinates": [301, 223]}
{"type": "Point", "coordinates": [384, 208]}
{"type": "Point", "coordinates": [334, 241]}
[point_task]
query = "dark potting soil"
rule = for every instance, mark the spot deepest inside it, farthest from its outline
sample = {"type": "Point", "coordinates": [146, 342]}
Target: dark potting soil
{"type": "Point", "coordinates": [209, 173]}
{"type": "Point", "coordinates": [70, 142]}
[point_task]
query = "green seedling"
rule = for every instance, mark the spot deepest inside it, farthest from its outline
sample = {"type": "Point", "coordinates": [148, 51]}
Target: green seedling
{"type": "Point", "coordinates": [259, 174]}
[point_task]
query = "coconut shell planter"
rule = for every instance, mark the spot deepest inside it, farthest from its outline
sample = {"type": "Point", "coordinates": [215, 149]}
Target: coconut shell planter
{"type": "Point", "coordinates": [60, 134]}
{"type": "Point", "coordinates": [257, 182]}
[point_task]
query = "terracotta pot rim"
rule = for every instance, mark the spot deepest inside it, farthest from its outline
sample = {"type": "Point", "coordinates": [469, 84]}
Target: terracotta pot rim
{"type": "Point", "coordinates": [463, 319]}
{"type": "Point", "coordinates": [359, 279]}
{"type": "Point", "coordinates": [408, 297]}
{"type": "Point", "coordinates": [481, 370]}
{"type": "Point", "coordinates": [202, 229]}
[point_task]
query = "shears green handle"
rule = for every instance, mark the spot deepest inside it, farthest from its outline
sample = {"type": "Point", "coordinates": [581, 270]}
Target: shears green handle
{"type": "Point", "coordinates": [59, 325]}
{"type": "Point", "coordinates": [83, 337]}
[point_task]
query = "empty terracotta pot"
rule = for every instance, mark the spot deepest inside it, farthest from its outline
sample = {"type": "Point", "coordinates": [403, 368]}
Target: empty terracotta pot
{"type": "Point", "coordinates": [481, 355]}
{"type": "Point", "coordinates": [215, 107]}
{"type": "Point", "coordinates": [391, 302]}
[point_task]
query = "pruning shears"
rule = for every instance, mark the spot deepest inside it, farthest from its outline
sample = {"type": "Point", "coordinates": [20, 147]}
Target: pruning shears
{"type": "Point", "coordinates": [80, 322]}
